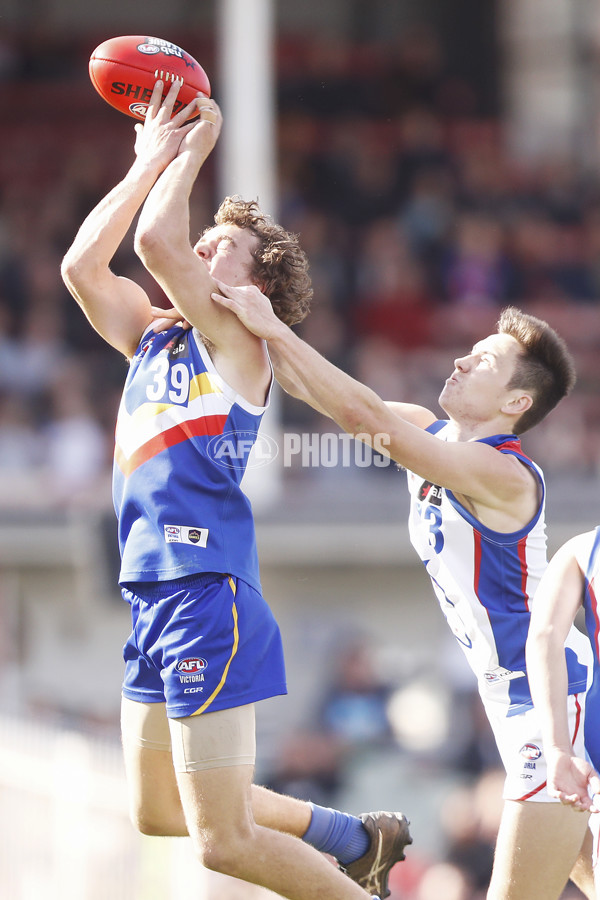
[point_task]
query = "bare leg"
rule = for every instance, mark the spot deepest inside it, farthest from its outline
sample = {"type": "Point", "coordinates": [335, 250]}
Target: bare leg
{"type": "Point", "coordinates": [155, 805]}
{"type": "Point", "coordinates": [536, 848]}
{"type": "Point", "coordinates": [280, 812]}
{"type": "Point", "coordinates": [154, 802]}
{"type": "Point", "coordinates": [217, 804]}
{"type": "Point", "coordinates": [582, 873]}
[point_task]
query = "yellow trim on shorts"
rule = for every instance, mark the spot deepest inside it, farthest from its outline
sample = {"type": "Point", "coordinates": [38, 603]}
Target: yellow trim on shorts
{"type": "Point", "coordinates": [234, 649]}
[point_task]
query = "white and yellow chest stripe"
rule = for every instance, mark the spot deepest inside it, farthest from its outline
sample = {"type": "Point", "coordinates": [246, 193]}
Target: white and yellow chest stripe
{"type": "Point", "coordinates": [155, 426]}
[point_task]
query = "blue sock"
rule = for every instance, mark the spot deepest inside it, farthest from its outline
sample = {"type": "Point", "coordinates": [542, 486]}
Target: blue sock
{"type": "Point", "coordinates": [337, 833]}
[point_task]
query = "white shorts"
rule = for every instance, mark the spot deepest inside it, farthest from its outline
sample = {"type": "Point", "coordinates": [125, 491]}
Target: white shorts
{"type": "Point", "coordinates": [519, 741]}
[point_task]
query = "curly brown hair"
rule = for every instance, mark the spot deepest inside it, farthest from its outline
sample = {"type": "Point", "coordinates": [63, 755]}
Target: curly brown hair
{"type": "Point", "coordinates": [281, 265]}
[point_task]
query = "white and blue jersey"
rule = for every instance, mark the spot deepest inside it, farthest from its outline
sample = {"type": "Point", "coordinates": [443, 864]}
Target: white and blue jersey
{"type": "Point", "coordinates": [484, 581]}
{"type": "Point", "coordinates": [591, 605]}
{"type": "Point", "coordinates": [183, 438]}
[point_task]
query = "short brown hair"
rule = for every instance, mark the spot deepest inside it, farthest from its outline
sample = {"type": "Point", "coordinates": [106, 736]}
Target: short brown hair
{"type": "Point", "coordinates": [545, 367]}
{"type": "Point", "coordinates": [281, 265]}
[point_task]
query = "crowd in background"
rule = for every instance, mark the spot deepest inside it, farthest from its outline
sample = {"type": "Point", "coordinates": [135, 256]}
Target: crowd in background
{"type": "Point", "coordinates": [418, 224]}
{"type": "Point", "coordinates": [419, 227]}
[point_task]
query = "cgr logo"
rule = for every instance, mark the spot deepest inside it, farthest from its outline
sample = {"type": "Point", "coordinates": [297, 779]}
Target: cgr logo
{"type": "Point", "coordinates": [242, 449]}
{"type": "Point", "coordinates": [192, 665]}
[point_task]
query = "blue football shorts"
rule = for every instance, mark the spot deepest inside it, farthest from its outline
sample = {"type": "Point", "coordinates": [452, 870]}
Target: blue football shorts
{"type": "Point", "coordinates": [201, 643]}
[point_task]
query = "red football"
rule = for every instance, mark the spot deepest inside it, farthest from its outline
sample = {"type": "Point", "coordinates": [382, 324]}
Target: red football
{"type": "Point", "coordinates": [124, 69]}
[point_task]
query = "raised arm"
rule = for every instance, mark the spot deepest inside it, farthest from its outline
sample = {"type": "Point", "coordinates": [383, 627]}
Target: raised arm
{"type": "Point", "coordinates": [555, 606]}
{"type": "Point", "coordinates": [116, 307]}
{"type": "Point", "coordinates": [162, 242]}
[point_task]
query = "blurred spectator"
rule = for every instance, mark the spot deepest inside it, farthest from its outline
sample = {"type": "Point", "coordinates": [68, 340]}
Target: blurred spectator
{"type": "Point", "coordinates": [392, 296]}
{"type": "Point", "coordinates": [310, 767]}
{"type": "Point", "coordinates": [19, 445]}
{"type": "Point", "coordinates": [470, 817]}
{"type": "Point", "coordinates": [448, 881]}
{"type": "Point", "coordinates": [75, 446]}
{"type": "Point", "coordinates": [354, 708]}
{"type": "Point", "coordinates": [476, 271]}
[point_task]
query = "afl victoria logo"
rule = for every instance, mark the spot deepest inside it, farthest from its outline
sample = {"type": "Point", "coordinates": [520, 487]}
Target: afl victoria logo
{"type": "Point", "coordinates": [530, 751]}
{"type": "Point", "coordinates": [192, 666]}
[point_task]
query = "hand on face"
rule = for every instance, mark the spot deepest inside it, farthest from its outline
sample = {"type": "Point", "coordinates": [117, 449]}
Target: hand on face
{"type": "Point", "coordinates": [159, 138]}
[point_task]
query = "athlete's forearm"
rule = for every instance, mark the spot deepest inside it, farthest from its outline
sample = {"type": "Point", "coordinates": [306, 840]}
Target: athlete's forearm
{"type": "Point", "coordinates": [164, 223]}
{"type": "Point", "coordinates": [548, 681]}
{"type": "Point", "coordinates": [554, 608]}
{"type": "Point", "coordinates": [105, 227]}
{"type": "Point", "coordinates": [355, 407]}
{"type": "Point", "coordinates": [289, 381]}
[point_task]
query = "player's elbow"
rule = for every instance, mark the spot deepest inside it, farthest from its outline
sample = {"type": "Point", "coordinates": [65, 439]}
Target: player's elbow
{"type": "Point", "coordinates": [151, 246]}
{"type": "Point", "coordinates": [68, 270]}
{"type": "Point", "coordinates": [77, 271]}
{"type": "Point", "coordinates": [543, 641]}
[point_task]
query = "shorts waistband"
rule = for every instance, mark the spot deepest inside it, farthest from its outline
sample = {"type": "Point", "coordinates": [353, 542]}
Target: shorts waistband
{"type": "Point", "coordinates": [153, 590]}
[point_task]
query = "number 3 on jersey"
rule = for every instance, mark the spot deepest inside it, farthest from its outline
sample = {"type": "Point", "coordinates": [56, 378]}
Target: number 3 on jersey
{"type": "Point", "coordinates": [176, 389]}
{"type": "Point", "coordinates": [433, 516]}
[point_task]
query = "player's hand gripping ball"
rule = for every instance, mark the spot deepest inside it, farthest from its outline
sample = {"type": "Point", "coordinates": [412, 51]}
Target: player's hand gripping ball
{"type": "Point", "coordinates": [124, 69]}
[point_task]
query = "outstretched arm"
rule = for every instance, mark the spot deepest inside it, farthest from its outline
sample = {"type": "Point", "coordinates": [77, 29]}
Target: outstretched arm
{"type": "Point", "coordinates": [117, 307]}
{"type": "Point", "coordinates": [555, 606]}
{"type": "Point", "coordinates": [470, 468]}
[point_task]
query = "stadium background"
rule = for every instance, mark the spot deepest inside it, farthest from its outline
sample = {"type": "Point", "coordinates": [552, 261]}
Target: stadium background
{"type": "Point", "coordinates": [440, 160]}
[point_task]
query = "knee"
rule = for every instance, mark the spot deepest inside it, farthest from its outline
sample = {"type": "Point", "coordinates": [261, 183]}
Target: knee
{"type": "Point", "coordinates": [155, 825]}
{"type": "Point", "coordinates": [147, 824]}
{"type": "Point", "coordinates": [225, 854]}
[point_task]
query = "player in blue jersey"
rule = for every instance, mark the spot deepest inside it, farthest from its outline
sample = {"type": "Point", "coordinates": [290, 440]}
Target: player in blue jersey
{"type": "Point", "coordinates": [477, 522]}
{"type": "Point", "coordinates": [204, 644]}
{"type": "Point", "coordinates": [570, 583]}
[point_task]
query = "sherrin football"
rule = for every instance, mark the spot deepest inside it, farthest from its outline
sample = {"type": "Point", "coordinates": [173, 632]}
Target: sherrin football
{"type": "Point", "coordinates": [124, 69]}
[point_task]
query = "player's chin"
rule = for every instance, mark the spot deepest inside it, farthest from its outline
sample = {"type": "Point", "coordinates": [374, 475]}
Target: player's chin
{"type": "Point", "coordinates": [444, 400]}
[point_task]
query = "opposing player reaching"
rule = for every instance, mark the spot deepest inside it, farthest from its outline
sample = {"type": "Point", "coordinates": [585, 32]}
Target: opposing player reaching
{"type": "Point", "coordinates": [570, 583]}
{"type": "Point", "coordinates": [477, 522]}
{"type": "Point", "coordinates": [204, 645]}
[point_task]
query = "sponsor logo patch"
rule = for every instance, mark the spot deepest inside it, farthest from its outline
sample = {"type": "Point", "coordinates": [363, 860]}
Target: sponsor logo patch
{"type": "Point", "coordinates": [184, 534]}
{"type": "Point", "coordinates": [179, 348]}
{"type": "Point", "coordinates": [432, 493]}
{"type": "Point", "coordinates": [501, 674]}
